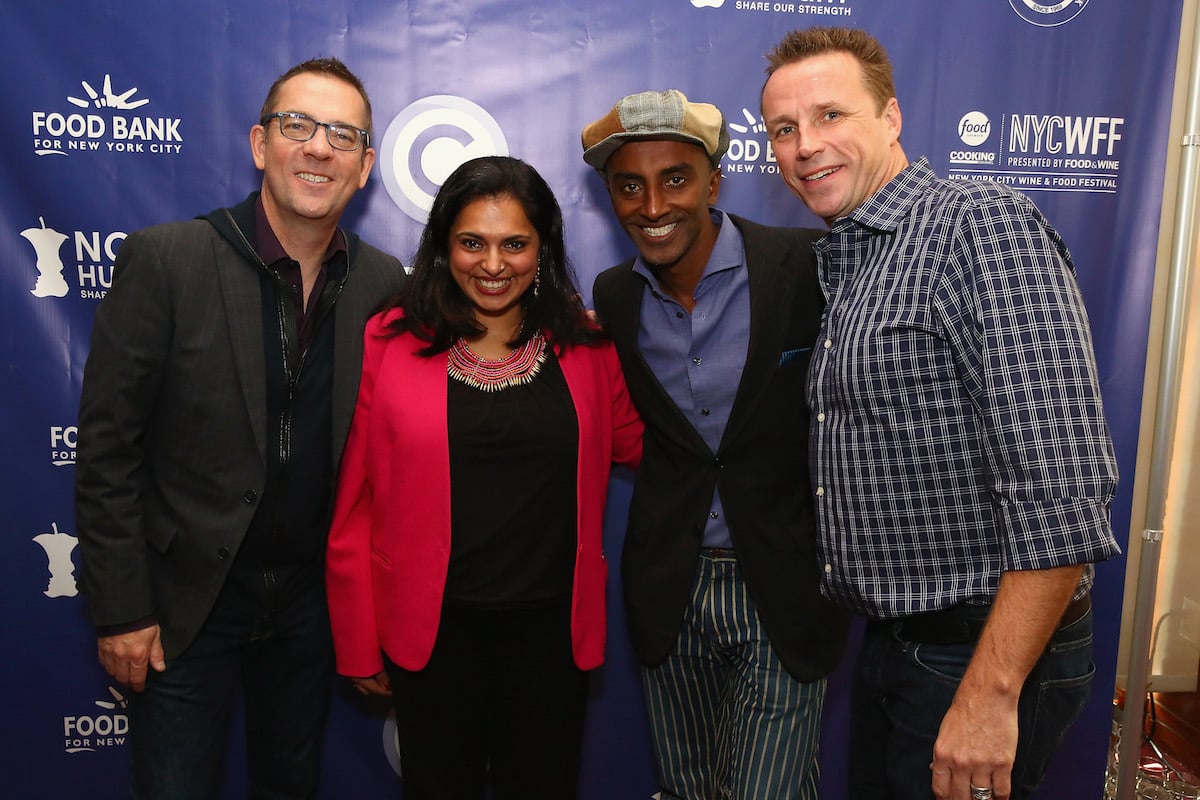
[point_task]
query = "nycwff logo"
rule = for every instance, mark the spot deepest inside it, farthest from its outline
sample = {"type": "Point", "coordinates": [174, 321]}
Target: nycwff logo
{"type": "Point", "coordinates": [1092, 140]}
{"type": "Point", "coordinates": [1040, 152]}
{"type": "Point", "coordinates": [60, 132]}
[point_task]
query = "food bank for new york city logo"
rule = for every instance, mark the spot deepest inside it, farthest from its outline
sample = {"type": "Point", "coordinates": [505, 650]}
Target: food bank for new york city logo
{"type": "Point", "coordinates": [96, 731]}
{"type": "Point", "coordinates": [749, 152]}
{"type": "Point", "coordinates": [58, 133]}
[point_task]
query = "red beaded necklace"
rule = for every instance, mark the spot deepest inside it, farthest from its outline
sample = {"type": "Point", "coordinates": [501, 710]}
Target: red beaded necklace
{"type": "Point", "coordinates": [517, 368]}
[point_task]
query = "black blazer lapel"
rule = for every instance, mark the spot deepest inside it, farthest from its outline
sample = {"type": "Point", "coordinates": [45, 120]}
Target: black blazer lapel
{"type": "Point", "coordinates": [773, 282]}
{"type": "Point", "coordinates": [621, 317]}
{"type": "Point", "coordinates": [355, 304]}
{"type": "Point", "coordinates": [241, 290]}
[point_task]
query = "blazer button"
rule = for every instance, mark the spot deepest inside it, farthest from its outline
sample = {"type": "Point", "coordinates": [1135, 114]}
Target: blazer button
{"type": "Point", "coordinates": [222, 553]}
{"type": "Point", "coordinates": [250, 496]}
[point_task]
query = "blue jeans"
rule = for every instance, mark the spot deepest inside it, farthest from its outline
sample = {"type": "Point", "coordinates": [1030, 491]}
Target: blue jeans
{"type": "Point", "coordinates": [727, 719]}
{"type": "Point", "coordinates": [282, 660]}
{"type": "Point", "coordinates": [903, 689]}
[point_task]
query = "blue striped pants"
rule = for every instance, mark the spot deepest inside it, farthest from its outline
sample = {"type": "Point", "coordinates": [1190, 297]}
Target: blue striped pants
{"type": "Point", "coordinates": [727, 719]}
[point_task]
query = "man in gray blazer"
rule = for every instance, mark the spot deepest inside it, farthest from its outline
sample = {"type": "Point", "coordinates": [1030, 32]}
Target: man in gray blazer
{"type": "Point", "coordinates": [216, 399]}
{"type": "Point", "coordinates": [714, 322]}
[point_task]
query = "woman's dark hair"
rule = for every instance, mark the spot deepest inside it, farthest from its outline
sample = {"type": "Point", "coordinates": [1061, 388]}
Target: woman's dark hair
{"type": "Point", "coordinates": [435, 308]}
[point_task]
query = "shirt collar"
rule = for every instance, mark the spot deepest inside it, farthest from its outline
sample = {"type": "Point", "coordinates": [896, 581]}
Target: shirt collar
{"type": "Point", "coordinates": [727, 252]}
{"type": "Point", "coordinates": [267, 244]}
{"type": "Point", "coordinates": [884, 210]}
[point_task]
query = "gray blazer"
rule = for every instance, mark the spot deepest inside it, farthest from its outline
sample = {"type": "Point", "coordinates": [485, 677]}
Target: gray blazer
{"type": "Point", "coordinates": [172, 418]}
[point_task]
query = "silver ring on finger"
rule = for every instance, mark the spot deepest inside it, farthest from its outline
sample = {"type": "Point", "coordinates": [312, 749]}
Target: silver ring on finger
{"type": "Point", "coordinates": [981, 792]}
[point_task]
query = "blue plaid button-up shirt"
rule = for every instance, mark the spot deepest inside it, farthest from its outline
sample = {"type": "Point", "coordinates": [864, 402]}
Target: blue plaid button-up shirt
{"type": "Point", "coordinates": [957, 423]}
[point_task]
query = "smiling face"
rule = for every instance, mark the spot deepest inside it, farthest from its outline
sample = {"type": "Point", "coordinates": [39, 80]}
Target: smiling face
{"type": "Point", "coordinates": [311, 182]}
{"type": "Point", "coordinates": [835, 146]}
{"type": "Point", "coordinates": [661, 191]}
{"type": "Point", "coordinates": [494, 259]}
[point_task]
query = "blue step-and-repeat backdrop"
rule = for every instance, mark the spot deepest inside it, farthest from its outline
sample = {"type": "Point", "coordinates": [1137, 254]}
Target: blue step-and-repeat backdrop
{"type": "Point", "coordinates": [119, 115]}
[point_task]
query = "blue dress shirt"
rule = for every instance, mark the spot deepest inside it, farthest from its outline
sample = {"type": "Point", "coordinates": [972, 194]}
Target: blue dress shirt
{"type": "Point", "coordinates": [698, 357]}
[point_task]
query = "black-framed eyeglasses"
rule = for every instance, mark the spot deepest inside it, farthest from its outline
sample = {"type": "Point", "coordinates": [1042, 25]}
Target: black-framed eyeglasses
{"type": "Point", "coordinates": [301, 127]}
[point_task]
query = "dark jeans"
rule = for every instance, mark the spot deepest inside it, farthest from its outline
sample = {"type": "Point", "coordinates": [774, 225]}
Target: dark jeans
{"type": "Point", "coordinates": [903, 689]}
{"type": "Point", "coordinates": [500, 701]}
{"type": "Point", "coordinates": [282, 660]}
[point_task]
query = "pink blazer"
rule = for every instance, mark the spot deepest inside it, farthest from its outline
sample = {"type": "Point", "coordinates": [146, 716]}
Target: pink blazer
{"type": "Point", "coordinates": [389, 544]}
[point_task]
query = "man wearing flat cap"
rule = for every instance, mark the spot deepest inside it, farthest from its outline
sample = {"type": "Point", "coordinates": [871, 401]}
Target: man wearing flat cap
{"type": "Point", "coordinates": [714, 321]}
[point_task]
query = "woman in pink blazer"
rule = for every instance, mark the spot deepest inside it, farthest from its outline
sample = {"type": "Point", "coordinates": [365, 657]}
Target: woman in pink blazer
{"type": "Point", "coordinates": [464, 569]}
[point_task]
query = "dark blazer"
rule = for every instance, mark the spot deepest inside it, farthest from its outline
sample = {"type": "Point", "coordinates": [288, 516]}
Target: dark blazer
{"type": "Point", "coordinates": [761, 465]}
{"type": "Point", "coordinates": [173, 421]}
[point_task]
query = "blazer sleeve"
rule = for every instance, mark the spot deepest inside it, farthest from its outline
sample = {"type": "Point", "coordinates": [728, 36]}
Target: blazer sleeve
{"type": "Point", "coordinates": [131, 341]}
{"type": "Point", "coordinates": [348, 555]}
{"type": "Point", "coordinates": [627, 425]}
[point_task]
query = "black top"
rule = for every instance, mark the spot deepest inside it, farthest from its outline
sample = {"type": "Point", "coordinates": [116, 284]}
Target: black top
{"type": "Point", "coordinates": [282, 554]}
{"type": "Point", "coordinates": [512, 492]}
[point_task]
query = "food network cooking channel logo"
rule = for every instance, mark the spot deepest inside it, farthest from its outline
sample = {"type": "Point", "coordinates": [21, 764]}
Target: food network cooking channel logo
{"type": "Point", "coordinates": [89, 261]}
{"type": "Point", "coordinates": [98, 730]}
{"type": "Point", "coordinates": [100, 126]}
{"type": "Point", "coordinates": [1047, 15]}
{"type": "Point", "coordinates": [427, 141]}
{"type": "Point", "coordinates": [1046, 152]}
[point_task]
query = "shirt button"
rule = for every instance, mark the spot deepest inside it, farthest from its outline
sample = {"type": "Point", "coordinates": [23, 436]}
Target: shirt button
{"type": "Point", "coordinates": [713, 515]}
{"type": "Point", "coordinates": [828, 343]}
{"type": "Point", "coordinates": [704, 412]}
{"type": "Point", "coordinates": [820, 491]}
{"type": "Point", "coordinates": [821, 416]}
{"type": "Point", "coordinates": [697, 360]}
{"type": "Point", "coordinates": [828, 569]}
{"type": "Point", "coordinates": [250, 496]}
{"type": "Point", "coordinates": [678, 315]}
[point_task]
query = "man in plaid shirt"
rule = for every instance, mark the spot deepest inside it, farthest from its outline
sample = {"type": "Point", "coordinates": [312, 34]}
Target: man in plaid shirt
{"type": "Point", "coordinates": [962, 466]}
